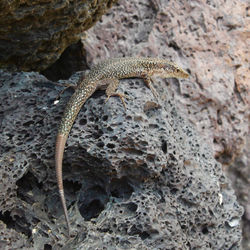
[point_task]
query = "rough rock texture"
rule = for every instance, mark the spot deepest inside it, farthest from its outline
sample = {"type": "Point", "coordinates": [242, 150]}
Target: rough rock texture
{"type": "Point", "coordinates": [141, 178]}
{"type": "Point", "coordinates": [211, 39]}
{"type": "Point", "coordinates": [33, 34]}
{"type": "Point", "coordinates": [239, 173]}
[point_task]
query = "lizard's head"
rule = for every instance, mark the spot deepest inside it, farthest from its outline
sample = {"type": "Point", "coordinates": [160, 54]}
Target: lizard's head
{"type": "Point", "coordinates": [169, 69]}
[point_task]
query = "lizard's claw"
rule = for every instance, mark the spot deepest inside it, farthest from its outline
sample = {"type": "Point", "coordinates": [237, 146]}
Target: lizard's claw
{"type": "Point", "coordinates": [107, 99]}
{"type": "Point", "coordinates": [122, 97]}
{"type": "Point", "coordinates": [155, 93]}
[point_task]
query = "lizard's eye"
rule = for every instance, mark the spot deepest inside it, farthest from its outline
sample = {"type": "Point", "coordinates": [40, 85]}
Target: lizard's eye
{"type": "Point", "coordinates": [177, 70]}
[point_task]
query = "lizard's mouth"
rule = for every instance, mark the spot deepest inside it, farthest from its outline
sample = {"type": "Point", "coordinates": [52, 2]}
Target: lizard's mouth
{"type": "Point", "coordinates": [177, 73]}
{"type": "Point", "coordinates": [182, 74]}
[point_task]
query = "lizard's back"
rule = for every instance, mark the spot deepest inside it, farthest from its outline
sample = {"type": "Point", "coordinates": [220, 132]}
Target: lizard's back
{"type": "Point", "coordinates": [125, 67]}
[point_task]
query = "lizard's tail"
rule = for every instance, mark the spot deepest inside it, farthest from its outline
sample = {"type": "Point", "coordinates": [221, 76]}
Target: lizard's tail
{"type": "Point", "coordinates": [60, 145]}
{"type": "Point", "coordinates": [72, 109]}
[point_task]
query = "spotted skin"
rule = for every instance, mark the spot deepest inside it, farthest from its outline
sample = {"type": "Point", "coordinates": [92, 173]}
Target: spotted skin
{"type": "Point", "coordinates": [106, 75]}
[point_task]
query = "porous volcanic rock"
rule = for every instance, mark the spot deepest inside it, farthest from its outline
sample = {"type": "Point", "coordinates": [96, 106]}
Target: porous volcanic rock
{"type": "Point", "coordinates": [139, 178]}
{"type": "Point", "coordinates": [211, 40]}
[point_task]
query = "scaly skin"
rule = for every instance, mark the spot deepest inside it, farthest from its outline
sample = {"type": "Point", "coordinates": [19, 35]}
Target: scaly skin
{"type": "Point", "coordinates": [106, 75]}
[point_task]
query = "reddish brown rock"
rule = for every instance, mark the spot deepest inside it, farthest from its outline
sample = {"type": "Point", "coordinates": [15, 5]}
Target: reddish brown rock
{"type": "Point", "coordinates": [210, 40]}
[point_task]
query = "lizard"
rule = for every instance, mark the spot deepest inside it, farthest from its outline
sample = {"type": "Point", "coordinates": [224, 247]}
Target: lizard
{"type": "Point", "coordinates": [106, 75]}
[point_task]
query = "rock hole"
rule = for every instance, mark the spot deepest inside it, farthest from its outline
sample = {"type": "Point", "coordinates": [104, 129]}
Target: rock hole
{"type": "Point", "coordinates": [110, 129]}
{"type": "Point", "coordinates": [132, 206]}
{"type": "Point", "coordinates": [114, 138]}
{"type": "Point", "coordinates": [144, 235]}
{"type": "Point", "coordinates": [100, 144]}
{"type": "Point", "coordinates": [92, 210]}
{"type": "Point", "coordinates": [205, 230]}
{"type": "Point", "coordinates": [164, 147]}
{"type": "Point", "coordinates": [83, 122]}
{"type": "Point", "coordinates": [120, 188]}
{"type": "Point", "coordinates": [92, 201]}
{"type": "Point", "coordinates": [47, 247]}
{"type": "Point", "coordinates": [110, 145]}
{"type": "Point", "coordinates": [105, 118]}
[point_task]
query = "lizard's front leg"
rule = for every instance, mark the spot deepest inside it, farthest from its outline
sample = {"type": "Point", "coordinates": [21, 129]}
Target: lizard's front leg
{"type": "Point", "coordinates": [111, 91]}
{"type": "Point", "coordinates": [148, 82]}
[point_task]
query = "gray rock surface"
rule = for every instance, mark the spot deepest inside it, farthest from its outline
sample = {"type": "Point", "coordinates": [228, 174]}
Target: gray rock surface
{"type": "Point", "coordinates": [33, 34]}
{"type": "Point", "coordinates": [139, 178]}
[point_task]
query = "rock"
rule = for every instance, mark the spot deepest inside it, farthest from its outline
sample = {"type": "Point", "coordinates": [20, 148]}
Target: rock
{"type": "Point", "coordinates": [211, 40]}
{"type": "Point", "coordinates": [200, 37]}
{"type": "Point", "coordinates": [33, 34]}
{"type": "Point", "coordinates": [139, 178]}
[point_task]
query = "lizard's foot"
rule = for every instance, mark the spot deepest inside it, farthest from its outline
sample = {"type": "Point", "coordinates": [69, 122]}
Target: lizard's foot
{"type": "Point", "coordinates": [122, 97]}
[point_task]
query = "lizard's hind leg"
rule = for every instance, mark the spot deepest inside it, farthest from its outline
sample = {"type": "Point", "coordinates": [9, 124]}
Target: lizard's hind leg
{"type": "Point", "coordinates": [66, 86]}
{"type": "Point", "coordinates": [69, 85]}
